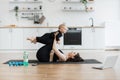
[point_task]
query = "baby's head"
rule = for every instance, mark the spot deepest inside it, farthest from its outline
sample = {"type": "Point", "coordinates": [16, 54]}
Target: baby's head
{"type": "Point", "coordinates": [63, 28]}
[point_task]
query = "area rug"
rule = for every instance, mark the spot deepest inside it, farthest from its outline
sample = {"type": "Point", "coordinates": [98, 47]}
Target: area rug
{"type": "Point", "coordinates": [86, 61]}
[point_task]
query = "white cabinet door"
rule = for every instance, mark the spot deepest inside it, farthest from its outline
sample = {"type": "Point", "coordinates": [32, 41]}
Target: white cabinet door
{"type": "Point", "coordinates": [17, 38]}
{"type": "Point", "coordinates": [93, 38]}
{"type": "Point", "coordinates": [29, 32]}
{"type": "Point", "coordinates": [5, 38]}
{"type": "Point", "coordinates": [99, 38]}
{"type": "Point", "coordinates": [87, 38]}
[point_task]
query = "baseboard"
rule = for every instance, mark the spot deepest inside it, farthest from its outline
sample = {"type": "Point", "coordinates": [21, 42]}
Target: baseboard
{"type": "Point", "coordinates": [112, 48]}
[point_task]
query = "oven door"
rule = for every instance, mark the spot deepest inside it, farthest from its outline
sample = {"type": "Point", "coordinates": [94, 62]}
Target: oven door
{"type": "Point", "coordinates": [73, 37]}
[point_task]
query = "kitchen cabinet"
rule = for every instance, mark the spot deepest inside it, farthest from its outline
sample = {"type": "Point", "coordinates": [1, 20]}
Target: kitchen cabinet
{"type": "Point", "coordinates": [16, 38]}
{"type": "Point", "coordinates": [93, 38]}
{"type": "Point", "coordinates": [11, 38]}
{"type": "Point", "coordinates": [98, 38]}
{"type": "Point", "coordinates": [87, 38]}
{"type": "Point", "coordinates": [5, 38]}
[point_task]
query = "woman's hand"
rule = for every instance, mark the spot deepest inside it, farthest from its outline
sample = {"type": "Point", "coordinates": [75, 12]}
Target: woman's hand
{"type": "Point", "coordinates": [55, 34]}
{"type": "Point", "coordinates": [51, 55]}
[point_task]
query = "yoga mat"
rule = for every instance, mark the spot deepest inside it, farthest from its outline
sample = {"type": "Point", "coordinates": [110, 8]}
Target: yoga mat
{"type": "Point", "coordinates": [86, 61]}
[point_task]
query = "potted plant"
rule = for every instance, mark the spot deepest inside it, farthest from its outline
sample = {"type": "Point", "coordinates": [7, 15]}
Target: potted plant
{"type": "Point", "coordinates": [16, 8]}
{"type": "Point", "coordinates": [85, 3]}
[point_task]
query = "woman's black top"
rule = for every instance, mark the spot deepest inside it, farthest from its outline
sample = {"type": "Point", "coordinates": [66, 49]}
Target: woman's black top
{"type": "Point", "coordinates": [43, 54]}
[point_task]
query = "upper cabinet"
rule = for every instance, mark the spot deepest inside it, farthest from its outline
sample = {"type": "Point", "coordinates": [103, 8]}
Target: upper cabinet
{"type": "Point", "coordinates": [78, 5]}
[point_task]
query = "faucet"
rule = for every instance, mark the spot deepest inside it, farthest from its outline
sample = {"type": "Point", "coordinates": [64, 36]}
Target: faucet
{"type": "Point", "coordinates": [92, 24]}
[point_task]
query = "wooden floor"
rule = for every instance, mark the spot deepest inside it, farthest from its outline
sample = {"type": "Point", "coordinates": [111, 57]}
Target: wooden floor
{"type": "Point", "coordinates": [57, 72]}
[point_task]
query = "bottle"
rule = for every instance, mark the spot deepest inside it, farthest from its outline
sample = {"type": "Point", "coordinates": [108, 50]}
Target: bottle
{"type": "Point", "coordinates": [40, 7]}
{"type": "Point", "coordinates": [36, 18]}
{"type": "Point", "coordinates": [25, 59]}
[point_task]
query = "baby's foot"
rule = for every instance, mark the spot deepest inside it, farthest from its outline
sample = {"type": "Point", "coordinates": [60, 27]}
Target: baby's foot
{"type": "Point", "coordinates": [32, 40]}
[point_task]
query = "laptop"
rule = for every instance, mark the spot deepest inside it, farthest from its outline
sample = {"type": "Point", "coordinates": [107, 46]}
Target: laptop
{"type": "Point", "coordinates": [109, 62]}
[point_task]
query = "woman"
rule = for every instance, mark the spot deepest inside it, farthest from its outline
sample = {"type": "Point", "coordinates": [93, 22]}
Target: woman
{"type": "Point", "coordinates": [50, 53]}
{"type": "Point", "coordinates": [43, 53]}
{"type": "Point", "coordinates": [71, 56]}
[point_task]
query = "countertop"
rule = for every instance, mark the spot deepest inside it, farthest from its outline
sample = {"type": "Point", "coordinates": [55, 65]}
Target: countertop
{"type": "Point", "coordinates": [13, 26]}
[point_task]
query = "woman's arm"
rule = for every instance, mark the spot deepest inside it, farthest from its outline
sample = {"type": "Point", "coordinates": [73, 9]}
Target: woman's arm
{"type": "Point", "coordinates": [61, 56]}
{"type": "Point", "coordinates": [51, 55]}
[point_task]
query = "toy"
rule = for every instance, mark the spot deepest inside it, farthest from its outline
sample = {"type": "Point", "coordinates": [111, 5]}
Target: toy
{"type": "Point", "coordinates": [15, 63]}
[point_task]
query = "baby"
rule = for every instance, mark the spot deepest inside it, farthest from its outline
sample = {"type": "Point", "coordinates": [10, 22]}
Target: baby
{"type": "Point", "coordinates": [48, 38]}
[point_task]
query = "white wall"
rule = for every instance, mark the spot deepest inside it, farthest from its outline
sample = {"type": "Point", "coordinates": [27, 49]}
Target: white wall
{"type": "Point", "coordinates": [4, 12]}
{"type": "Point", "coordinates": [112, 31]}
{"type": "Point", "coordinates": [104, 10]}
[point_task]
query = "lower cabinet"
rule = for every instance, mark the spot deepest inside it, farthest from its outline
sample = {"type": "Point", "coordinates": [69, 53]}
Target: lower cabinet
{"type": "Point", "coordinates": [93, 38]}
{"type": "Point", "coordinates": [87, 38]}
{"type": "Point", "coordinates": [11, 38]}
{"type": "Point", "coordinates": [5, 38]}
{"type": "Point", "coordinates": [99, 38]}
{"type": "Point", "coordinates": [16, 38]}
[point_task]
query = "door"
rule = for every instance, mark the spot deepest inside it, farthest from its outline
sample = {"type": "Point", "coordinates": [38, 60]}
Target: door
{"type": "Point", "coordinates": [17, 38]}
{"type": "Point", "coordinates": [5, 38]}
